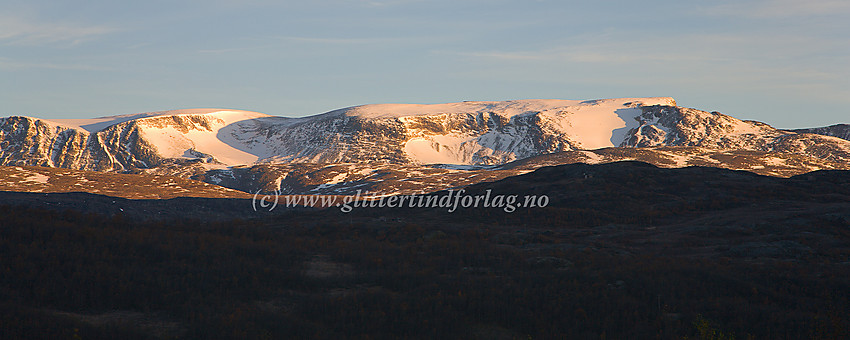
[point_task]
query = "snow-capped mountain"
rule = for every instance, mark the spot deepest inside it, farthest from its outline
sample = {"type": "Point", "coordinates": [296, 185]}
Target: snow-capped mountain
{"type": "Point", "coordinates": [470, 133]}
{"type": "Point", "coordinates": [458, 133]}
{"type": "Point", "coordinates": [212, 144]}
{"type": "Point", "coordinates": [677, 126]}
{"type": "Point", "coordinates": [123, 142]}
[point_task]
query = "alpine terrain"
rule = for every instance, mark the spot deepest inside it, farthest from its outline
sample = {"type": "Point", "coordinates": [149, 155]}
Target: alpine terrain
{"type": "Point", "coordinates": [408, 148]}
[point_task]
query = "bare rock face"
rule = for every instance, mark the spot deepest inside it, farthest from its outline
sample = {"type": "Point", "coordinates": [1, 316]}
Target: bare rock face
{"type": "Point", "coordinates": [838, 130]}
{"type": "Point", "coordinates": [29, 141]}
{"type": "Point", "coordinates": [677, 126]}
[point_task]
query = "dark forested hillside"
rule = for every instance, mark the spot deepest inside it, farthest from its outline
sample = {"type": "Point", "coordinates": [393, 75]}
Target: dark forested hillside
{"type": "Point", "coordinates": [623, 251]}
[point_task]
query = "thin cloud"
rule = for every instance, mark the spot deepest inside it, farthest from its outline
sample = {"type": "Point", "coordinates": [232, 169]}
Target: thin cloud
{"type": "Point", "coordinates": [138, 45]}
{"type": "Point", "coordinates": [292, 39]}
{"type": "Point", "coordinates": [264, 43]}
{"type": "Point", "coordinates": [751, 61]}
{"type": "Point", "coordinates": [682, 49]}
{"type": "Point", "coordinates": [591, 53]}
{"type": "Point", "coordinates": [500, 55]}
{"type": "Point", "coordinates": [12, 65]}
{"type": "Point", "coordinates": [232, 50]}
{"type": "Point", "coordinates": [340, 41]}
{"type": "Point", "coordinates": [768, 9]}
{"type": "Point", "coordinates": [17, 30]}
{"type": "Point", "coordinates": [385, 3]}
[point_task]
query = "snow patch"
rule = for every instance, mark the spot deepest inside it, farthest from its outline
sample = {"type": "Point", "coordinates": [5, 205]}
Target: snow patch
{"type": "Point", "coordinates": [37, 178]}
{"type": "Point", "coordinates": [98, 124]}
{"type": "Point", "coordinates": [438, 149]}
{"type": "Point", "coordinates": [680, 161]}
{"type": "Point", "coordinates": [338, 179]}
{"type": "Point", "coordinates": [589, 125]}
{"type": "Point", "coordinates": [592, 157]}
{"type": "Point", "coordinates": [173, 143]}
{"type": "Point", "coordinates": [508, 108]}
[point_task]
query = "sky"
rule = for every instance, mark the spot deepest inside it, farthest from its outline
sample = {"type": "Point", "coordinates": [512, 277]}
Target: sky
{"type": "Point", "coordinates": [783, 62]}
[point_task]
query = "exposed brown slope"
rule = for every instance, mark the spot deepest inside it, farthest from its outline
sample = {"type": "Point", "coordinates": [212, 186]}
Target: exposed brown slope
{"type": "Point", "coordinates": [141, 186]}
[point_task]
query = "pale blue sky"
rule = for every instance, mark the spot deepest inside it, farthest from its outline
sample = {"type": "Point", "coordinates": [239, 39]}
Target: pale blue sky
{"type": "Point", "coordinates": [784, 62]}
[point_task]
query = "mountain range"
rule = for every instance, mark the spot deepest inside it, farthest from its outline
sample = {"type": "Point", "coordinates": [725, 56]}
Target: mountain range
{"type": "Point", "coordinates": [412, 148]}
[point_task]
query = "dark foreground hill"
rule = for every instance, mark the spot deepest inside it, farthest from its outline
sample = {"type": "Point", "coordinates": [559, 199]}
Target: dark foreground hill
{"type": "Point", "coordinates": [178, 208]}
{"type": "Point", "coordinates": [623, 250]}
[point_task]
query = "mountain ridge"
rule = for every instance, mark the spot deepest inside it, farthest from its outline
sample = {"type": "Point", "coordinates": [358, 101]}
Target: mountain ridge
{"type": "Point", "coordinates": [252, 151]}
{"type": "Point", "coordinates": [470, 133]}
{"type": "Point", "coordinates": [836, 130]}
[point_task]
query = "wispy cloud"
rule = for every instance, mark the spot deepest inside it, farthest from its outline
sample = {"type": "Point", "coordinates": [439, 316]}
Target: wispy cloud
{"type": "Point", "coordinates": [13, 65]}
{"type": "Point", "coordinates": [386, 3]}
{"type": "Point", "coordinates": [138, 45]}
{"type": "Point", "coordinates": [780, 8]}
{"type": "Point", "coordinates": [505, 55]}
{"type": "Point", "coordinates": [682, 48]}
{"type": "Point", "coordinates": [339, 41]}
{"type": "Point", "coordinates": [255, 44]}
{"type": "Point", "coordinates": [232, 50]}
{"type": "Point", "coordinates": [22, 31]}
{"type": "Point", "coordinates": [601, 53]}
{"type": "Point", "coordinates": [782, 64]}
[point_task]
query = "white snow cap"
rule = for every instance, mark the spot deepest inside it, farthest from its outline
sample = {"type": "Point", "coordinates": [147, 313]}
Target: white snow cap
{"type": "Point", "coordinates": [507, 108]}
{"type": "Point", "coordinates": [97, 124]}
{"type": "Point", "coordinates": [233, 137]}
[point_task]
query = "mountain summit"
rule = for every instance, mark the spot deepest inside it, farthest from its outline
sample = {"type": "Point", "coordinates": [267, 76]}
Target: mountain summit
{"type": "Point", "coordinates": [250, 150]}
{"type": "Point", "coordinates": [466, 133]}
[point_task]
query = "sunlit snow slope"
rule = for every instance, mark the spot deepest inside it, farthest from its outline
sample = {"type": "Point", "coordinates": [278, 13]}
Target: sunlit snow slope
{"type": "Point", "coordinates": [512, 127]}
{"type": "Point", "coordinates": [466, 133]}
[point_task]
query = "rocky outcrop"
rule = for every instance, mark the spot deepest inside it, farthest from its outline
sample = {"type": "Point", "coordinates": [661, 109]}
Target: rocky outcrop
{"type": "Point", "coordinates": [838, 130]}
